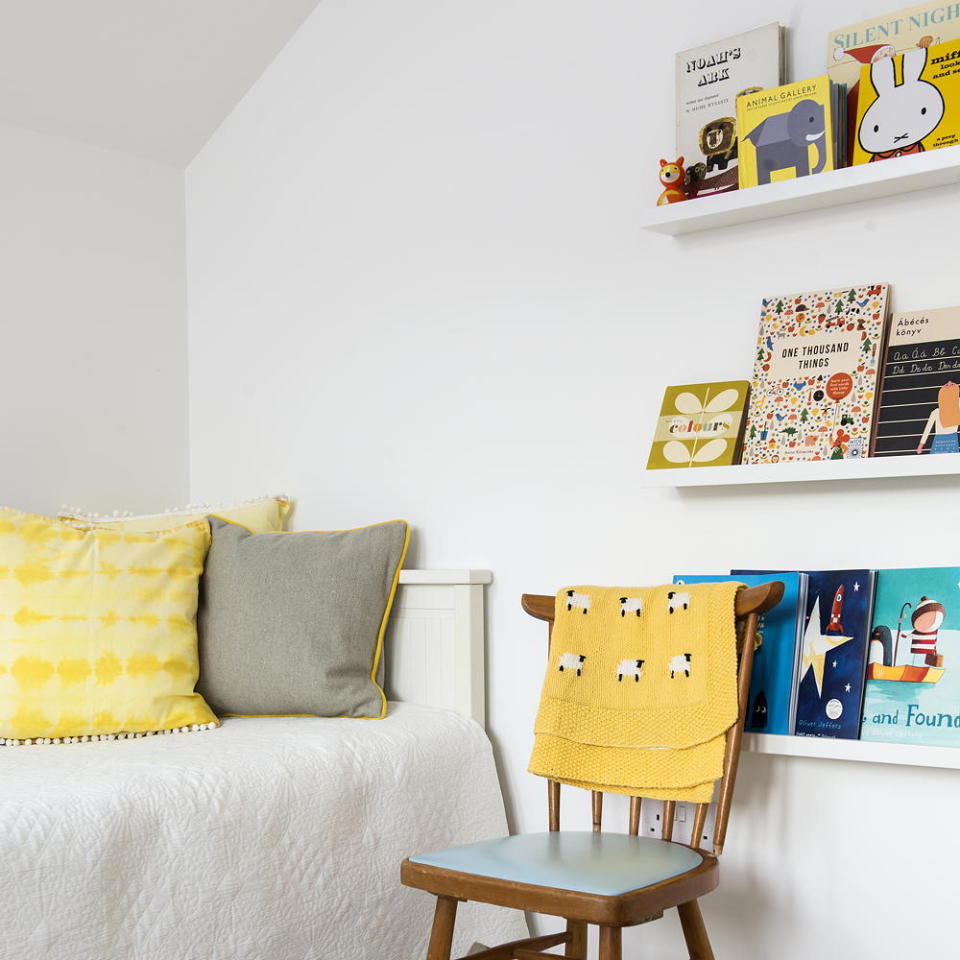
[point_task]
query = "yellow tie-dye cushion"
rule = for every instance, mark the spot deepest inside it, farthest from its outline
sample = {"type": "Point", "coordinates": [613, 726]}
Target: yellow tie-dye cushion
{"type": "Point", "coordinates": [262, 515]}
{"type": "Point", "coordinates": [98, 629]}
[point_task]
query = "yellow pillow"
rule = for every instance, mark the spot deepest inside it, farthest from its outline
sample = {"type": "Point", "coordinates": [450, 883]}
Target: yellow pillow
{"type": "Point", "coordinates": [263, 515]}
{"type": "Point", "coordinates": [98, 631]}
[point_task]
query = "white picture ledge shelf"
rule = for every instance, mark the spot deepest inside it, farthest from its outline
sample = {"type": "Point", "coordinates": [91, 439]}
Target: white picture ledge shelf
{"type": "Point", "coordinates": [870, 181]}
{"type": "Point", "coordinates": [904, 754]}
{"type": "Point", "coordinates": [924, 465]}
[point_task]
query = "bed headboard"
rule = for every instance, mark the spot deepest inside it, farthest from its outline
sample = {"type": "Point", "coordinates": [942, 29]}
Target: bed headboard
{"type": "Point", "coordinates": [435, 640]}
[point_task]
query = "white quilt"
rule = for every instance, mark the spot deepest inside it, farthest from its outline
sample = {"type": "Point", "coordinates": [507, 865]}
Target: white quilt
{"type": "Point", "coordinates": [266, 839]}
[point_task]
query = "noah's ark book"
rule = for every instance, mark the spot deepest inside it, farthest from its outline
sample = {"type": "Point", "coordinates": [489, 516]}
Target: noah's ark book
{"type": "Point", "coordinates": [770, 706]}
{"type": "Point", "coordinates": [919, 393]}
{"type": "Point", "coordinates": [700, 425]}
{"type": "Point", "coordinates": [833, 652]}
{"type": "Point", "coordinates": [790, 131]}
{"type": "Point", "coordinates": [913, 681]}
{"type": "Point", "coordinates": [814, 388]}
{"type": "Point", "coordinates": [709, 79]}
{"type": "Point", "coordinates": [909, 103]}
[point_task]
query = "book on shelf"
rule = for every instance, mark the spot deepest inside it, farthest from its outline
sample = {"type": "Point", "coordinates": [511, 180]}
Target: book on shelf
{"type": "Point", "coordinates": [919, 410]}
{"type": "Point", "coordinates": [909, 103]}
{"type": "Point", "coordinates": [791, 131]}
{"type": "Point", "coordinates": [700, 425]}
{"type": "Point", "coordinates": [852, 47]}
{"type": "Point", "coordinates": [709, 78]}
{"type": "Point", "coordinates": [833, 651]}
{"type": "Point", "coordinates": [773, 684]}
{"type": "Point", "coordinates": [814, 387]}
{"type": "Point", "coordinates": [913, 686]}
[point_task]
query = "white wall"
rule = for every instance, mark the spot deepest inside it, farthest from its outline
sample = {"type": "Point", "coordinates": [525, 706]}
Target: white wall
{"type": "Point", "coordinates": [417, 288]}
{"type": "Point", "coordinates": [93, 395]}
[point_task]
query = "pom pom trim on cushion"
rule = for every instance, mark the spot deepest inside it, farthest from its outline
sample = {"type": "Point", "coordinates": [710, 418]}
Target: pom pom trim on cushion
{"type": "Point", "coordinates": [89, 516]}
{"type": "Point", "coordinates": [43, 741]}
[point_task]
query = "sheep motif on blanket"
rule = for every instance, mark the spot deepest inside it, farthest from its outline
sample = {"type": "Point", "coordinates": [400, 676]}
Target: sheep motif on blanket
{"type": "Point", "coordinates": [643, 705]}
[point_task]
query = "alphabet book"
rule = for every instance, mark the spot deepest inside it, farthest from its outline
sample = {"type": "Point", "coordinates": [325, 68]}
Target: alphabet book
{"type": "Point", "coordinates": [913, 680]}
{"type": "Point", "coordinates": [919, 393]}
{"type": "Point", "coordinates": [791, 131]}
{"type": "Point", "coordinates": [814, 388]}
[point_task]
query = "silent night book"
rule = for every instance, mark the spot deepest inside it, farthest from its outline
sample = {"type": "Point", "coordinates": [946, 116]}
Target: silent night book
{"type": "Point", "coordinates": [919, 393]}
{"type": "Point", "coordinates": [709, 79]}
{"type": "Point", "coordinates": [833, 652]}
{"type": "Point", "coordinates": [700, 425]}
{"type": "Point", "coordinates": [773, 687]}
{"type": "Point", "coordinates": [913, 685]}
{"type": "Point", "coordinates": [814, 386]}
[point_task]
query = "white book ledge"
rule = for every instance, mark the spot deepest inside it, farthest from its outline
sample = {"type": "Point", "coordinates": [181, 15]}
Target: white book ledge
{"type": "Point", "coordinates": [870, 181]}
{"type": "Point", "coordinates": [923, 465]}
{"type": "Point", "coordinates": [904, 754]}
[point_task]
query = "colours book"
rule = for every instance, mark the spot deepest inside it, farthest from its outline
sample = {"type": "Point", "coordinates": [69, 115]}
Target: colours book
{"type": "Point", "coordinates": [919, 393]}
{"type": "Point", "coordinates": [909, 103]}
{"type": "Point", "coordinates": [709, 79]}
{"type": "Point", "coordinates": [773, 683]}
{"type": "Point", "coordinates": [913, 681]}
{"type": "Point", "coordinates": [833, 652]}
{"type": "Point", "coordinates": [814, 386]}
{"type": "Point", "coordinates": [700, 425]}
{"type": "Point", "coordinates": [790, 131]}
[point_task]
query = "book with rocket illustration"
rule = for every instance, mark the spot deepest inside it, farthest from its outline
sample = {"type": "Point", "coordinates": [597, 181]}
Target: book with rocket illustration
{"type": "Point", "coordinates": [913, 689]}
{"type": "Point", "coordinates": [919, 392]}
{"type": "Point", "coordinates": [814, 387]}
{"type": "Point", "coordinates": [833, 652]}
{"type": "Point", "coordinates": [773, 684]}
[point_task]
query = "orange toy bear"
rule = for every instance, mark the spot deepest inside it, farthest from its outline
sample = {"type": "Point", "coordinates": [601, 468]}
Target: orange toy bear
{"type": "Point", "coordinates": [672, 177]}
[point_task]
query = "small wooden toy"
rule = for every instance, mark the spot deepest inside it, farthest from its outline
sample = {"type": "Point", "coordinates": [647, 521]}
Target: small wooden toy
{"type": "Point", "coordinates": [672, 178]}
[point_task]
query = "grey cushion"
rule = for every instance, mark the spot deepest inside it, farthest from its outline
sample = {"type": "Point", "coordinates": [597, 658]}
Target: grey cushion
{"type": "Point", "coordinates": [292, 623]}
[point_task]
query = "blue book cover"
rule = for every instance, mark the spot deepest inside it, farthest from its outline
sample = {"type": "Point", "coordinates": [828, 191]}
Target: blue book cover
{"type": "Point", "coordinates": [833, 652]}
{"type": "Point", "coordinates": [913, 684]}
{"type": "Point", "coordinates": [773, 681]}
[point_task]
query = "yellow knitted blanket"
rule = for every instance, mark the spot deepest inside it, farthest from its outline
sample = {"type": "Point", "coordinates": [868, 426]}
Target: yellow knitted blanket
{"type": "Point", "coordinates": [640, 690]}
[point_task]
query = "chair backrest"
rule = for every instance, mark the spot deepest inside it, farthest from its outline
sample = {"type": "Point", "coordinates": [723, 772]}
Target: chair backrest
{"type": "Point", "coordinates": [751, 604]}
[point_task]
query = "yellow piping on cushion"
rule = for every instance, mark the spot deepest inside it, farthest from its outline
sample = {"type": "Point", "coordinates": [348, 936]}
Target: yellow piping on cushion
{"type": "Point", "coordinates": [383, 623]}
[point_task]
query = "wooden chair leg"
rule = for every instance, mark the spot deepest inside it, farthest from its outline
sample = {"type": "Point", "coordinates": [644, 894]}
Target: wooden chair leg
{"type": "Point", "coordinates": [694, 932]}
{"type": "Point", "coordinates": [610, 943]}
{"type": "Point", "coordinates": [577, 945]}
{"type": "Point", "coordinates": [441, 936]}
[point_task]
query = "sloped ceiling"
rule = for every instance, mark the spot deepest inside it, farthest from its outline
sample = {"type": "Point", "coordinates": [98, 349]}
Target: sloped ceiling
{"type": "Point", "coordinates": [149, 77]}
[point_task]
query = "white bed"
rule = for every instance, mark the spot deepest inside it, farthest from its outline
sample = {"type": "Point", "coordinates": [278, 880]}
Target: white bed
{"type": "Point", "coordinates": [267, 839]}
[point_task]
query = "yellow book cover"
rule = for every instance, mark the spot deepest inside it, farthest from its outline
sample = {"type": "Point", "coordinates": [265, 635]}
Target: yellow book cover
{"type": "Point", "coordinates": [909, 103]}
{"type": "Point", "coordinates": [785, 132]}
{"type": "Point", "coordinates": [700, 425]}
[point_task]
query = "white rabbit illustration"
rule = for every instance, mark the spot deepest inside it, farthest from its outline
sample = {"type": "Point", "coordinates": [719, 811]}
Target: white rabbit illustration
{"type": "Point", "coordinates": [903, 114]}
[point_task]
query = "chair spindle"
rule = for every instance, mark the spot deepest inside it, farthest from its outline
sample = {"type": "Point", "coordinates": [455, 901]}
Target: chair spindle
{"type": "Point", "coordinates": [553, 804]}
{"type": "Point", "coordinates": [699, 820]}
{"type": "Point", "coordinates": [635, 815]}
{"type": "Point", "coordinates": [596, 805]}
{"type": "Point", "coordinates": [669, 812]}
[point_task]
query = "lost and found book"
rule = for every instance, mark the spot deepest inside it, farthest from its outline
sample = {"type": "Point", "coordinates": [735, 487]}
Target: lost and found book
{"type": "Point", "coordinates": [919, 394]}
{"type": "Point", "coordinates": [814, 388]}
{"type": "Point", "coordinates": [791, 131]}
{"type": "Point", "coordinates": [709, 79]}
{"type": "Point", "coordinates": [913, 684]}
{"type": "Point", "coordinates": [700, 425]}
{"type": "Point", "coordinates": [833, 652]}
{"type": "Point", "coordinates": [773, 683]}
{"type": "Point", "coordinates": [909, 103]}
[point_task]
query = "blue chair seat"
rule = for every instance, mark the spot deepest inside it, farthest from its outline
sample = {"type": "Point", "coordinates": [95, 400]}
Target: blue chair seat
{"type": "Point", "coordinates": [607, 864]}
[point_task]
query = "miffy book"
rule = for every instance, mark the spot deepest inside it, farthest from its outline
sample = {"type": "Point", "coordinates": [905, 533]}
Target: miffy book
{"type": "Point", "coordinates": [909, 103]}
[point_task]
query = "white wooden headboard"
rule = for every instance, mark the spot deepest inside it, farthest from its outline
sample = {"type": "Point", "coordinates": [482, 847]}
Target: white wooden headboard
{"type": "Point", "coordinates": [435, 640]}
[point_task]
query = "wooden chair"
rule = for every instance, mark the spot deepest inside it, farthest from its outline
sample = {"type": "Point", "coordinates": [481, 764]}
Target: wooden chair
{"type": "Point", "coordinates": [613, 880]}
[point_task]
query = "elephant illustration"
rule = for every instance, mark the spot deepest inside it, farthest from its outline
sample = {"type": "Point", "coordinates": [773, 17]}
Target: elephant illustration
{"type": "Point", "coordinates": [783, 140]}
